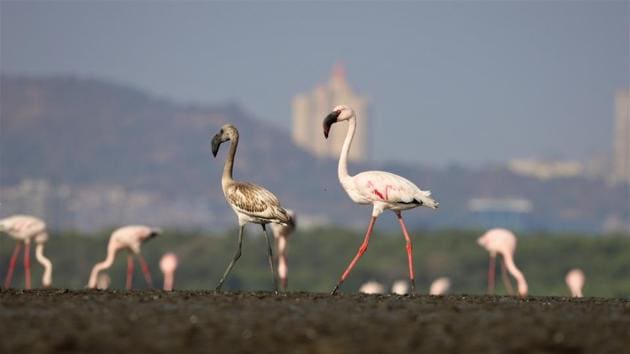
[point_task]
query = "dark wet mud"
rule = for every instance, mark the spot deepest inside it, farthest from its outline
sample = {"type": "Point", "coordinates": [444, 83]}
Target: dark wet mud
{"type": "Point", "coordinates": [62, 321]}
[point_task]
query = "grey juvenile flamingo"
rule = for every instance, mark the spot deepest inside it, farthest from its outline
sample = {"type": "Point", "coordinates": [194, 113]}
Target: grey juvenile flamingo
{"type": "Point", "coordinates": [251, 203]}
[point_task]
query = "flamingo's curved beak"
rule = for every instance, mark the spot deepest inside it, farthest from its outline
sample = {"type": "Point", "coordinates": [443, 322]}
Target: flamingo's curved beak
{"type": "Point", "coordinates": [216, 142]}
{"type": "Point", "coordinates": [329, 121]}
{"type": "Point", "coordinates": [155, 232]}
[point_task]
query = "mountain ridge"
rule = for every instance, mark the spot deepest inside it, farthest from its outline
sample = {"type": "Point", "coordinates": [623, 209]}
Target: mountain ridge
{"type": "Point", "coordinates": [116, 147]}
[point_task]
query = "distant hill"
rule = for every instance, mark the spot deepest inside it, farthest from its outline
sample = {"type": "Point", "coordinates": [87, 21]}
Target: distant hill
{"type": "Point", "coordinates": [98, 146]}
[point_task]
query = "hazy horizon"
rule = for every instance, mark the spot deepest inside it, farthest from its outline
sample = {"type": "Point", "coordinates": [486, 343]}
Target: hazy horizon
{"type": "Point", "coordinates": [449, 82]}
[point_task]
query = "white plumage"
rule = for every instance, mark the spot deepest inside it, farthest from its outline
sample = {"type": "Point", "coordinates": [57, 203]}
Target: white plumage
{"type": "Point", "coordinates": [372, 288]}
{"type": "Point", "coordinates": [26, 229]}
{"type": "Point", "coordinates": [503, 242]}
{"type": "Point", "coordinates": [282, 234]}
{"type": "Point", "coordinates": [388, 191]}
{"type": "Point", "coordinates": [440, 286]}
{"type": "Point", "coordinates": [383, 190]}
{"type": "Point", "coordinates": [128, 238]}
{"type": "Point", "coordinates": [575, 281]}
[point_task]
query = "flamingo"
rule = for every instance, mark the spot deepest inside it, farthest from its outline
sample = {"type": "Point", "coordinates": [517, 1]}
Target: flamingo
{"type": "Point", "coordinates": [251, 203]}
{"type": "Point", "coordinates": [282, 233]}
{"type": "Point", "coordinates": [168, 264]}
{"type": "Point", "coordinates": [503, 242]}
{"type": "Point", "coordinates": [575, 282]}
{"type": "Point", "coordinates": [400, 287]}
{"type": "Point", "coordinates": [372, 287]}
{"type": "Point", "coordinates": [103, 281]}
{"type": "Point", "coordinates": [440, 286]}
{"type": "Point", "coordinates": [26, 229]}
{"type": "Point", "coordinates": [130, 238]}
{"type": "Point", "coordinates": [383, 190]}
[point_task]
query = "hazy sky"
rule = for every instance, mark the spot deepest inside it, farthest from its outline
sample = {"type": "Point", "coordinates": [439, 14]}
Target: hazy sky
{"type": "Point", "coordinates": [469, 82]}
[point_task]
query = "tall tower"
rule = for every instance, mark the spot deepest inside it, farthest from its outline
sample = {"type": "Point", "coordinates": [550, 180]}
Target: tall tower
{"type": "Point", "coordinates": [310, 109]}
{"type": "Point", "coordinates": [622, 137]}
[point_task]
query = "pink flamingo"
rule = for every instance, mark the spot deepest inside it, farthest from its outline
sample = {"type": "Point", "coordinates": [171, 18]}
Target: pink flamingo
{"type": "Point", "coordinates": [575, 282]}
{"type": "Point", "coordinates": [400, 287]}
{"type": "Point", "coordinates": [372, 287]}
{"type": "Point", "coordinates": [383, 190]}
{"type": "Point", "coordinates": [282, 233]}
{"type": "Point", "coordinates": [502, 241]}
{"type": "Point", "coordinates": [103, 281]}
{"type": "Point", "coordinates": [26, 229]}
{"type": "Point", "coordinates": [168, 264]}
{"type": "Point", "coordinates": [440, 286]}
{"type": "Point", "coordinates": [129, 238]}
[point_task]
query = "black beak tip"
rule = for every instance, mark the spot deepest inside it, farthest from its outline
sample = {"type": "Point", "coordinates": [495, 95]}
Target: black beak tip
{"type": "Point", "coordinates": [329, 121]}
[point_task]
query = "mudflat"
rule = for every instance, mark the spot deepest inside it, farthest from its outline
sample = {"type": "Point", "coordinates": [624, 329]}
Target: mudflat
{"type": "Point", "coordinates": [152, 321]}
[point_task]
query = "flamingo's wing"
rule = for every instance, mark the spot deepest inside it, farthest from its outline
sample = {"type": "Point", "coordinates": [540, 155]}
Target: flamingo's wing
{"type": "Point", "coordinates": [387, 187]}
{"type": "Point", "coordinates": [256, 201]}
{"type": "Point", "coordinates": [24, 225]}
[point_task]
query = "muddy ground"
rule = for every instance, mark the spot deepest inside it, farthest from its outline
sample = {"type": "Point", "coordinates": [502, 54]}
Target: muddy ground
{"type": "Point", "coordinates": [63, 321]}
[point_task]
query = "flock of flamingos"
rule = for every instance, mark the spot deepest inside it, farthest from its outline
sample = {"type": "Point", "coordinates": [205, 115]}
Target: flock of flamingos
{"type": "Point", "coordinates": [255, 204]}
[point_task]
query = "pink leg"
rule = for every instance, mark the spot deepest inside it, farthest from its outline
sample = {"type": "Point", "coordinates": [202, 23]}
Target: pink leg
{"type": "Point", "coordinates": [14, 255]}
{"type": "Point", "coordinates": [491, 268]}
{"type": "Point", "coordinates": [360, 253]}
{"type": "Point", "coordinates": [409, 246]}
{"type": "Point", "coordinates": [129, 272]}
{"type": "Point", "coordinates": [145, 271]}
{"type": "Point", "coordinates": [27, 265]}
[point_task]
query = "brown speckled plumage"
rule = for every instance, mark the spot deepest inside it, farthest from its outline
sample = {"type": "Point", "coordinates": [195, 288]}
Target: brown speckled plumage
{"type": "Point", "coordinates": [255, 201]}
{"type": "Point", "coordinates": [251, 203]}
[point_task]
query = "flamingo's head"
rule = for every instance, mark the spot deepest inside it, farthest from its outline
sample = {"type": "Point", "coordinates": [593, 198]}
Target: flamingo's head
{"type": "Point", "coordinates": [156, 231]}
{"type": "Point", "coordinates": [4, 225]}
{"type": "Point", "coordinates": [227, 132]}
{"type": "Point", "coordinates": [339, 114]}
{"type": "Point", "coordinates": [168, 263]}
{"type": "Point", "coordinates": [483, 241]}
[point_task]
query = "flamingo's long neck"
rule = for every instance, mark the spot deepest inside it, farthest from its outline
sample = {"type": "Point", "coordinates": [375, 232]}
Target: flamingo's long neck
{"type": "Point", "coordinates": [516, 273]}
{"type": "Point", "coordinates": [342, 170]}
{"type": "Point", "coordinates": [229, 162]}
{"type": "Point", "coordinates": [45, 262]}
{"type": "Point", "coordinates": [111, 255]}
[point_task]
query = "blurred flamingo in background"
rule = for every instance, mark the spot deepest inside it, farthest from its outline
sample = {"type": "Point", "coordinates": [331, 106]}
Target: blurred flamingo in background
{"type": "Point", "coordinates": [26, 229]}
{"type": "Point", "coordinates": [168, 264]}
{"type": "Point", "coordinates": [440, 286]}
{"type": "Point", "coordinates": [383, 190]}
{"type": "Point", "coordinates": [575, 281]}
{"type": "Point", "coordinates": [502, 241]}
{"type": "Point", "coordinates": [282, 233]}
{"type": "Point", "coordinates": [372, 287]}
{"type": "Point", "coordinates": [400, 287]}
{"type": "Point", "coordinates": [129, 238]}
{"type": "Point", "coordinates": [103, 281]}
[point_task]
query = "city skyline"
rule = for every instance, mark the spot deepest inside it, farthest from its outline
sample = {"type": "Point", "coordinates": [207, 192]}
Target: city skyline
{"type": "Point", "coordinates": [310, 107]}
{"type": "Point", "coordinates": [469, 83]}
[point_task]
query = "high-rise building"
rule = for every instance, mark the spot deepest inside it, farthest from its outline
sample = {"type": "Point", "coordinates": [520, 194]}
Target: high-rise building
{"type": "Point", "coordinates": [622, 137]}
{"type": "Point", "coordinates": [310, 109]}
